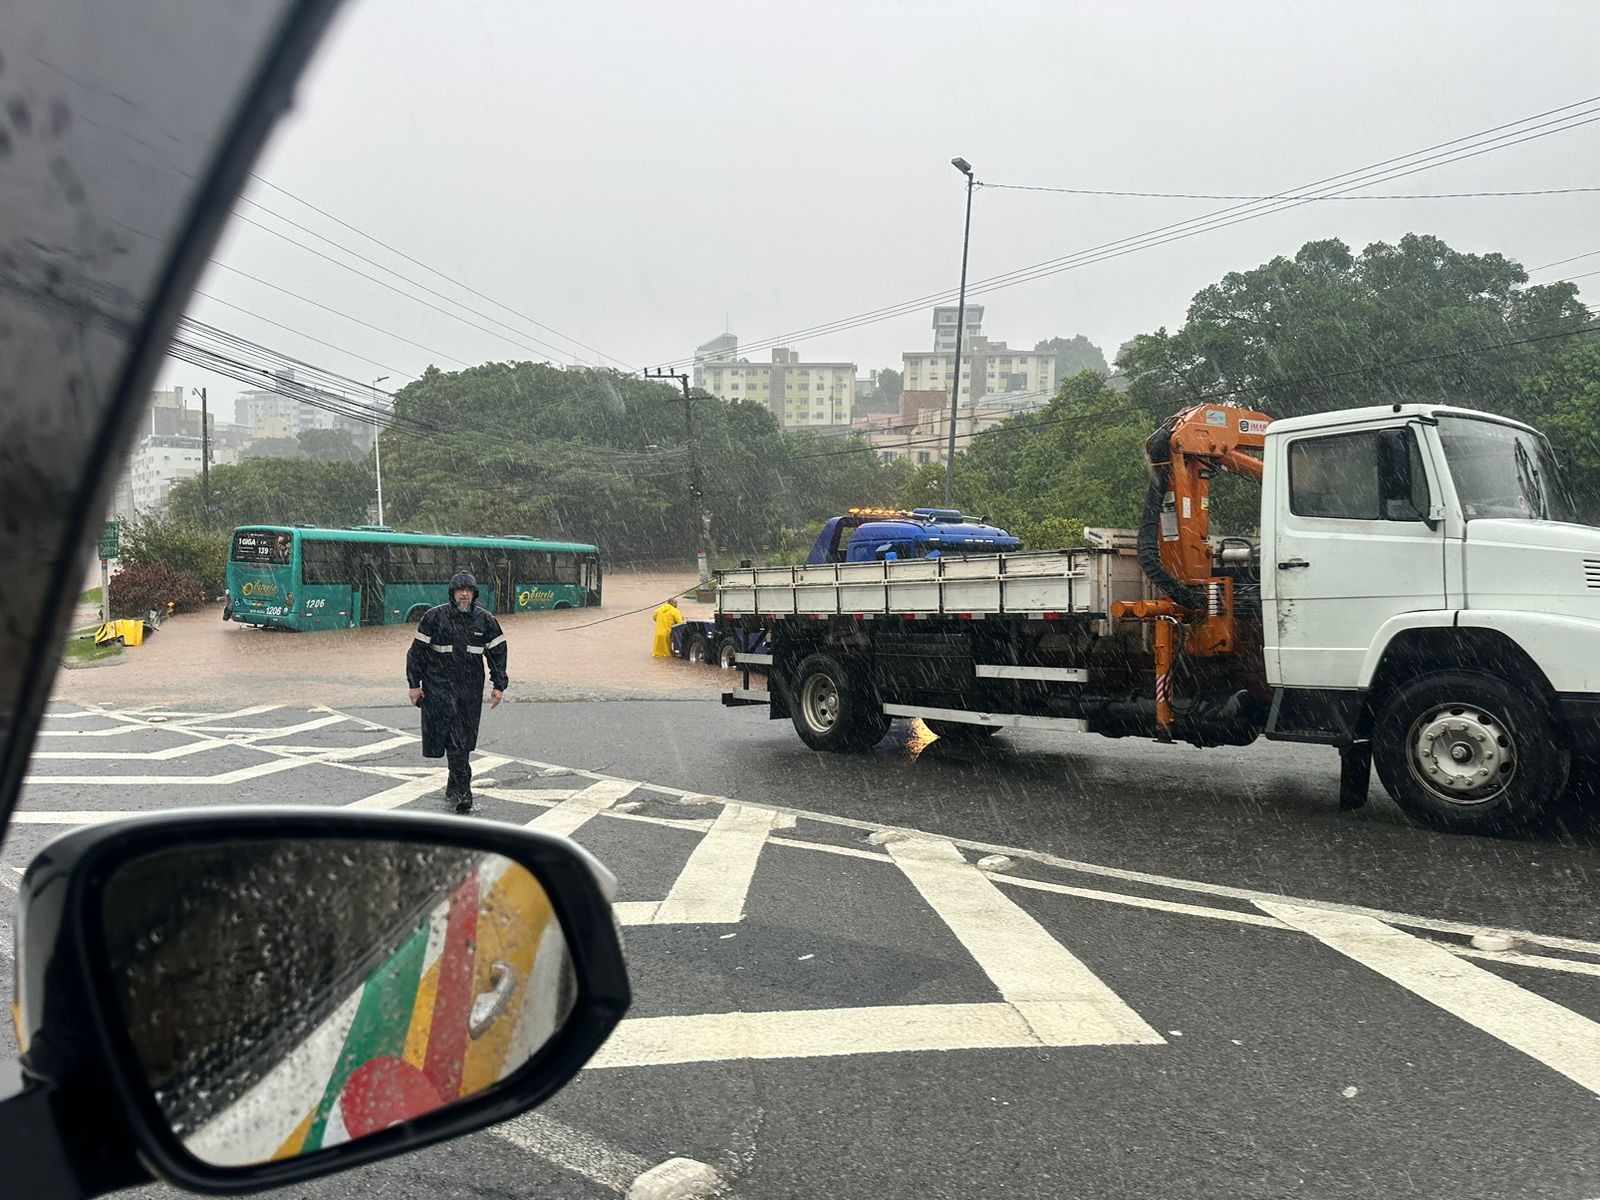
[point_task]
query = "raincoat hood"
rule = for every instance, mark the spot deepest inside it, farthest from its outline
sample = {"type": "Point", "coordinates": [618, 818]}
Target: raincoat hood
{"type": "Point", "coordinates": [463, 579]}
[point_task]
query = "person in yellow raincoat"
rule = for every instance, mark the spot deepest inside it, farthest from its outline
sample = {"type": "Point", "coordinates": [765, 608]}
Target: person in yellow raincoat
{"type": "Point", "coordinates": [666, 617]}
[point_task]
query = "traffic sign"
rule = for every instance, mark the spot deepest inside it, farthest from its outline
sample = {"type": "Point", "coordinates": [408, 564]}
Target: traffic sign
{"type": "Point", "coordinates": [110, 540]}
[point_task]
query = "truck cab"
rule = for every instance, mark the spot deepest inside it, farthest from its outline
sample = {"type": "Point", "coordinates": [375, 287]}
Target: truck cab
{"type": "Point", "coordinates": [1426, 586]}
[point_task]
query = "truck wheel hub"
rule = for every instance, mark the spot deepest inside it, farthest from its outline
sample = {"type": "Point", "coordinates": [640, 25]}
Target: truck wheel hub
{"type": "Point", "coordinates": [820, 700]}
{"type": "Point", "coordinates": [1463, 753]}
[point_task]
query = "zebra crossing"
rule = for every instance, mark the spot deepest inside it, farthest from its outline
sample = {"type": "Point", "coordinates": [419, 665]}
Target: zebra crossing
{"type": "Point", "coordinates": [1001, 916]}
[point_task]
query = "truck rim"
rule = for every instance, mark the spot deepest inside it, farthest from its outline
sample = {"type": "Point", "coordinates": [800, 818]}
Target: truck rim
{"type": "Point", "coordinates": [1462, 753]}
{"type": "Point", "coordinates": [819, 700]}
{"type": "Point", "coordinates": [727, 657]}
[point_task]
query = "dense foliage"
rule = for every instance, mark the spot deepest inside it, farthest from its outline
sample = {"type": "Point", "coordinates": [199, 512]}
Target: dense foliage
{"type": "Point", "coordinates": [174, 543]}
{"type": "Point", "coordinates": [137, 590]}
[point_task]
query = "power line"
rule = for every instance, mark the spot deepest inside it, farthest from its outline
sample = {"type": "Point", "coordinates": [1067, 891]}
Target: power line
{"type": "Point", "coordinates": [418, 262]}
{"type": "Point", "coordinates": [560, 351]}
{"type": "Point", "coordinates": [302, 333]}
{"type": "Point", "coordinates": [1391, 168]}
{"type": "Point", "coordinates": [1560, 261]}
{"type": "Point", "coordinates": [1020, 187]}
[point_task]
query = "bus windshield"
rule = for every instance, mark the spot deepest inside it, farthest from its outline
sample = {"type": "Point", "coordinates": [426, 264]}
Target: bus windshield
{"type": "Point", "coordinates": [1503, 471]}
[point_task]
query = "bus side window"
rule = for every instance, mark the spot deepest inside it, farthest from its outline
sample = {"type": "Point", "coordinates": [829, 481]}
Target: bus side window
{"type": "Point", "coordinates": [525, 566]}
{"type": "Point", "coordinates": [326, 562]}
{"type": "Point", "coordinates": [402, 565]}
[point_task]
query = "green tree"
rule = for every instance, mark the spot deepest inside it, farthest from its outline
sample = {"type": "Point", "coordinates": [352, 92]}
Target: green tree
{"type": "Point", "coordinates": [1562, 398]}
{"type": "Point", "coordinates": [1074, 355]}
{"type": "Point", "coordinates": [1329, 329]}
{"type": "Point", "coordinates": [329, 445]}
{"type": "Point", "coordinates": [278, 491]}
{"type": "Point", "coordinates": [181, 545]}
{"type": "Point", "coordinates": [601, 457]}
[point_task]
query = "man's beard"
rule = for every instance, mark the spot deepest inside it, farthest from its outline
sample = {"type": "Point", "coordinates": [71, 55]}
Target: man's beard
{"type": "Point", "coordinates": [465, 605]}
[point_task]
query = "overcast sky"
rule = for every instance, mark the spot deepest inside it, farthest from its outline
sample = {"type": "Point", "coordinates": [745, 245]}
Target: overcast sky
{"type": "Point", "coordinates": [642, 176]}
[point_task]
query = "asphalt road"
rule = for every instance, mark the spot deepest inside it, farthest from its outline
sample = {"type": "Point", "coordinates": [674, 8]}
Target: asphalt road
{"type": "Point", "coordinates": [1192, 977]}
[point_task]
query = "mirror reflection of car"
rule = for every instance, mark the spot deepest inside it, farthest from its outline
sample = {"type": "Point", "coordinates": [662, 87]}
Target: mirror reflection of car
{"type": "Point", "coordinates": [277, 993]}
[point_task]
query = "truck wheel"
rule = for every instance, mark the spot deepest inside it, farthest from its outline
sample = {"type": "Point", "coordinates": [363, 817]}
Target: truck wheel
{"type": "Point", "coordinates": [727, 654]}
{"type": "Point", "coordinates": [695, 651]}
{"type": "Point", "coordinates": [1468, 753]}
{"type": "Point", "coordinates": [833, 709]}
{"type": "Point", "coordinates": [960, 731]}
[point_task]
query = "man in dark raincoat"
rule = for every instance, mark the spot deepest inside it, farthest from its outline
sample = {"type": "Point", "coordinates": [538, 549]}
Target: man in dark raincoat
{"type": "Point", "coordinates": [444, 669]}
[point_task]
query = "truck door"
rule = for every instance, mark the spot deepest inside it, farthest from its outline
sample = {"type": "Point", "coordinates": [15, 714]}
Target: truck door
{"type": "Point", "coordinates": [1350, 545]}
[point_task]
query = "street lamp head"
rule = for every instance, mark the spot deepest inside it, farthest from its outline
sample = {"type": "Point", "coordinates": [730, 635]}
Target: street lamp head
{"type": "Point", "coordinates": [962, 165]}
{"type": "Point", "coordinates": [379, 380]}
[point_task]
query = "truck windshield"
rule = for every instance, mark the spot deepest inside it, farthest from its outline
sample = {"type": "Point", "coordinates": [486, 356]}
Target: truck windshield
{"type": "Point", "coordinates": [1503, 471]}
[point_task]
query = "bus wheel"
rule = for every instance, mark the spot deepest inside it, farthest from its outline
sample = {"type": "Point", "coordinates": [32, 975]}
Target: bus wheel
{"type": "Point", "coordinates": [560, 604]}
{"type": "Point", "coordinates": [416, 613]}
{"type": "Point", "coordinates": [833, 708]}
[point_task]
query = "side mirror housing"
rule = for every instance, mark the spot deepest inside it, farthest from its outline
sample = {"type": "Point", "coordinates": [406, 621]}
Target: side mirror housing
{"type": "Point", "coordinates": [249, 998]}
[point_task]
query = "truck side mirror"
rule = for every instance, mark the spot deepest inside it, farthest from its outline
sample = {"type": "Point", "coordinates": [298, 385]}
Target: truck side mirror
{"type": "Point", "coordinates": [1394, 477]}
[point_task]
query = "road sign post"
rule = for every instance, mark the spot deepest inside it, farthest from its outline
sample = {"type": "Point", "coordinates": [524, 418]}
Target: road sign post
{"type": "Point", "coordinates": [110, 547]}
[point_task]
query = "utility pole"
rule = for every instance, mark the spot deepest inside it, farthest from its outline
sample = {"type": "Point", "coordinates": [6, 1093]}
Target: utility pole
{"type": "Point", "coordinates": [205, 459]}
{"type": "Point", "coordinates": [965, 168]}
{"type": "Point", "coordinates": [696, 486]}
{"type": "Point", "coordinates": [377, 448]}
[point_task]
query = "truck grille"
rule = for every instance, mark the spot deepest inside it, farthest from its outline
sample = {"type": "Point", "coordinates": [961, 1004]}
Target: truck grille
{"type": "Point", "coordinates": [1591, 573]}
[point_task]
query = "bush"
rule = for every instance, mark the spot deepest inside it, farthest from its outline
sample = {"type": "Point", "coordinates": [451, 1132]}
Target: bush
{"type": "Point", "coordinates": [137, 589]}
{"type": "Point", "coordinates": [168, 542]}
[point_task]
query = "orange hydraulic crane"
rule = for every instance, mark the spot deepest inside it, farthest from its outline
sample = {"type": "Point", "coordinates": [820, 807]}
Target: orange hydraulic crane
{"type": "Point", "coordinates": [1174, 549]}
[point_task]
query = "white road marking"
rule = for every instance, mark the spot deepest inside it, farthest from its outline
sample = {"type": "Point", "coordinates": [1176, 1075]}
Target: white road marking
{"type": "Point", "coordinates": [79, 817]}
{"type": "Point", "coordinates": [827, 1032]}
{"type": "Point", "coordinates": [259, 733]}
{"type": "Point", "coordinates": [346, 753]}
{"type": "Point", "coordinates": [1542, 1029]}
{"type": "Point", "coordinates": [404, 793]}
{"type": "Point", "coordinates": [1063, 1001]}
{"type": "Point", "coordinates": [180, 751]}
{"type": "Point", "coordinates": [242, 774]}
{"type": "Point", "coordinates": [635, 912]}
{"type": "Point", "coordinates": [113, 731]}
{"type": "Point", "coordinates": [255, 710]}
{"type": "Point", "coordinates": [712, 887]}
{"type": "Point", "coordinates": [535, 797]}
{"type": "Point", "coordinates": [572, 1150]}
{"type": "Point", "coordinates": [1171, 906]}
{"type": "Point", "coordinates": [573, 813]}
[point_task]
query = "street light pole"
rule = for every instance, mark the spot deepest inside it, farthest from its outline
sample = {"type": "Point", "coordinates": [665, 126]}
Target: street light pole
{"type": "Point", "coordinates": [965, 168]}
{"type": "Point", "coordinates": [377, 447]}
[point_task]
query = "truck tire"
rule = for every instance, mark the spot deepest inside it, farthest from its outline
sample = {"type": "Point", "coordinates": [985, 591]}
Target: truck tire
{"type": "Point", "coordinates": [960, 731]}
{"type": "Point", "coordinates": [727, 653]}
{"type": "Point", "coordinates": [1469, 753]}
{"type": "Point", "coordinates": [695, 649]}
{"type": "Point", "coordinates": [833, 708]}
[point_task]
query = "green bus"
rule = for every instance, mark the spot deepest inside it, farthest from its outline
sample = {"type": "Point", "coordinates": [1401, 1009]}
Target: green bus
{"type": "Point", "coordinates": [306, 578]}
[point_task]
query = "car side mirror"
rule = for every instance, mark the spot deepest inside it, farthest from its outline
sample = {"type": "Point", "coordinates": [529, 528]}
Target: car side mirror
{"type": "Point", "coordinates": [250, 998]}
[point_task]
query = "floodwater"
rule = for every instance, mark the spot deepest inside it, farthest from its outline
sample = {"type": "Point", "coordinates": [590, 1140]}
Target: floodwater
{"type": "Point", "coordinates": [199, 660]}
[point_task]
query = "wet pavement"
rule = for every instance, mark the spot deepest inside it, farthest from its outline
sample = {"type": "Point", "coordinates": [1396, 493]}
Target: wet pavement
{"type": "Point", "coordinates": [1189, 976]}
